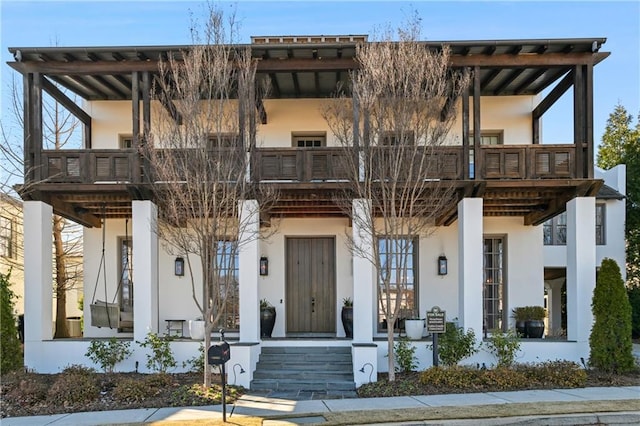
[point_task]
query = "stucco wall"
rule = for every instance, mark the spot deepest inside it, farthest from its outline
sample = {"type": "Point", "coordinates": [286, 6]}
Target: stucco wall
{"type": "Point", "coordinates": [509, 114]}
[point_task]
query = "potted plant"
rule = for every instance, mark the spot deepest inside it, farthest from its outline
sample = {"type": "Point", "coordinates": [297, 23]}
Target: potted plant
{"type": "Point", "coordinates": [347, 317]}
{"type": "Point", "coordinates": [521, 315]}
{"type": "Point", "coordinates": [267, 318]}
{"type": "Point", "coordinates": [535, 322]}
{"type": "Point", "coordinates": [414, 326]}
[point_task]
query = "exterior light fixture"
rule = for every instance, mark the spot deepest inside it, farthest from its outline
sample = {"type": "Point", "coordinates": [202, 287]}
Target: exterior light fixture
{"type": "Point", "coordinates": [264, 266]}
{"type": "Point", "coordinates": [178, 267]}
{"type": "Point", "coordinates": [442, 265]}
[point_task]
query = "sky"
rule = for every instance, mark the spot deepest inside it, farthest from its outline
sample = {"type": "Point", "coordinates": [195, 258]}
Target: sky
{"type": "Point", "coordinates": [153, 22]}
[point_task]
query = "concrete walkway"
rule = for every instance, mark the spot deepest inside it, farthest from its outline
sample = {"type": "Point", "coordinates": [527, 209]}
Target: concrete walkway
{"type": "Point", "coordinates": [259, 406]}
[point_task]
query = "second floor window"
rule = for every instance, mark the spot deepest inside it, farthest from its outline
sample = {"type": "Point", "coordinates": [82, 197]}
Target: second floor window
{"type": "Point", "coordinates": [309, 140]}
{"type": "Point", "coordinates": [222, 140]}
{"type": "Point", "coordinates": [555, 229]}
{"type": "Point", "coordinates": [7, 232]}
{"type": "Point", "coordinates": [397, 138]}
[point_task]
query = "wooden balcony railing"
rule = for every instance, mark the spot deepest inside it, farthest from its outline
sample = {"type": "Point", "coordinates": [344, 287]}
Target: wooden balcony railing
{"type": "Point", "coordinates": [89, 165]}
{"type": "Point", "coordinates": [320, 164]}
{"type": "Point", "coordinates": [527, 162]}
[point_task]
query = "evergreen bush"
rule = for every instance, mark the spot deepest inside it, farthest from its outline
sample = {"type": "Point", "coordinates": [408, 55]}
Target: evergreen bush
{"type": "Point", "coordinates": [107, 353]}
{"type": "Point", "coordinates": [161, 357]}
{"type": "Point", "coordinates": [10, 350]}
{"type": "Point", "coordinates": [405, 353]}
{"type": "Point", "coordinates": [610, 339]}
{"type": "Point", "coordinates": [634, 299]}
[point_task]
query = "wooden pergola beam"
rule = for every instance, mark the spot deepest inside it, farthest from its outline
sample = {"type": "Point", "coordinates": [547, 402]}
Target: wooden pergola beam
{"type": "Point", "coordinates": [63, 100]}
{"type": "Point", "coordinates": [506, 60]}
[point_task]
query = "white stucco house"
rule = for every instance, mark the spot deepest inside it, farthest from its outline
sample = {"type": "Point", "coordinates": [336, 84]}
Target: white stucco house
{"type": "Point", "coordinates": [493, 238]}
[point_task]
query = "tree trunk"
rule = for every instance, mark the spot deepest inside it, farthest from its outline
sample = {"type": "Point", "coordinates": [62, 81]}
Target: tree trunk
{"type": "Point", "coordinates": [61, 280]}
{"type": "Point", "coordinates": [391, 357]}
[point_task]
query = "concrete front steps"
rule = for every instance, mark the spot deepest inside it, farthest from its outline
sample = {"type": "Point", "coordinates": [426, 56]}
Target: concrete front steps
{"type": "Point", "coordinates": [315, 369]}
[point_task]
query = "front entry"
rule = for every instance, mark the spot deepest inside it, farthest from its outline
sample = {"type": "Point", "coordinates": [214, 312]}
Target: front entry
{"type": "Point", "coordinates": [311, 286]}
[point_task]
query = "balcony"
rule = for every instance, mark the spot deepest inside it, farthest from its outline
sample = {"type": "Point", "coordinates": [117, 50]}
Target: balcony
{"type": "Point", "coordinates": [301, 165]}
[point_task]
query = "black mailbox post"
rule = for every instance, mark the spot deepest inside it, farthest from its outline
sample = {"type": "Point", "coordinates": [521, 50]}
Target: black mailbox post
{"type": "Point", "coordinates": [218, 354]}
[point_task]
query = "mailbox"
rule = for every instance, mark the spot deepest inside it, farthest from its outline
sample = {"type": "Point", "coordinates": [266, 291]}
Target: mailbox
{"type": "Point", "coordinates": [219, 353]}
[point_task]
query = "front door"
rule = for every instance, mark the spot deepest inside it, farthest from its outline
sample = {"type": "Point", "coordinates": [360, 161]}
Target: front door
{"type": "Point", "coordinates": [311, 286]}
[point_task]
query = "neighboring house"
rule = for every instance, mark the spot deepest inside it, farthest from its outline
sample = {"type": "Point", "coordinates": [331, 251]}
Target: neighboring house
{"type": "Point", "coordinates": [11, 254]}
{"type": "Point", "coordinates": [492, 240]}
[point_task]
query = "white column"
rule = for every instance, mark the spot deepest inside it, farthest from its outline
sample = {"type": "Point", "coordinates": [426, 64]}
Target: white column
{"type": "Point", "coordinates": [145, 269]}
{"type": "Point", "coordinates": [364, 280]}
{"type": "Point", "coordinates": [470, 264]}
{"type": "Point", "coordinates": [248, 259]}
{"type": "Point", "coordinates": [38, 276]}
{"type": "Point", "coordinates": [581, 266]}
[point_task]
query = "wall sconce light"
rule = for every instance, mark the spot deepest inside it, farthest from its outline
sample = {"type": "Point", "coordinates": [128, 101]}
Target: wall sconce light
{"type": "Point", "coordinates": [178, 267]}
{"type": "Point", "coordinates": [264, 266]}
{"type": "Point", "coordinates": [442, 265]}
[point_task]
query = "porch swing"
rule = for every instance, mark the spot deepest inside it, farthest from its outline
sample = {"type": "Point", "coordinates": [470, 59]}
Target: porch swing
{"type": "Point", "coordinates": [104, 313]}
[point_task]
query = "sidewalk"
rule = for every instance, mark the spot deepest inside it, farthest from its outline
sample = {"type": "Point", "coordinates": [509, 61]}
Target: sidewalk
{"type": "Point", "coordinates": [269, 407]}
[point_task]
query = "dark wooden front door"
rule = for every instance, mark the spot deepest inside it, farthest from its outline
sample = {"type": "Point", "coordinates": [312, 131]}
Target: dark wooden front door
{"type": "Point", "coordinates": [311, 285]}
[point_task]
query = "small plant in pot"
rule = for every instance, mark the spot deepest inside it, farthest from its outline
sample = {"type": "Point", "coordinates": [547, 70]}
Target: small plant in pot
{"type": "Point", "coordinates": [521, 315]}
{"type": "Point", "coordinates": [535, 322]}
{"type": "Point", "coordinates": [347, 317]}
{"type": "Point", "coordinates": [267, 318]}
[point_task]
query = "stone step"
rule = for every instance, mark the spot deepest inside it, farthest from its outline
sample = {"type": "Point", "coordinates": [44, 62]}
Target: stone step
{"type": "Point", "coordinates": [301, 385]}
{"type": "Point", "coordinates": [304, 368]}
{"type": "Point", "coordinates": [317, 366]}
{"type": "Point", "coordinates": [302, 375]}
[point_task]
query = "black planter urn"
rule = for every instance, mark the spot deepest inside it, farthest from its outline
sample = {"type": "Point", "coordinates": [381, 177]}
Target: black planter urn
{"type": "Point", "coordinates": [521, 328]}
{"type": "Point", "coordinates": [535, 329]}
{"type": "Point", "coordinates": [267, 321]}
{"type": "Point", "coordinates": [347, 321]}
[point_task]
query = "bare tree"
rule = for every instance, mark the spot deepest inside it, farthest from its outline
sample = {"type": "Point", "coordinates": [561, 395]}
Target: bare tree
{"type": "Point", "coordinates": [199, 158]}
{"type": "Point", "coordinates": [393, 130]}
{"type": "Point", "coordinates": [60, 131]}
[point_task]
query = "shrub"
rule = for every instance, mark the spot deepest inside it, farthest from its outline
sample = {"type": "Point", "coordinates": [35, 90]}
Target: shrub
{"type": "Point", "coordinates": [161, 358]}
{"type": "Point", "coordinates": [196, 363]}
{"type": "Point", "coordinates": [634, 299]}
{"type": "Point", "coordinates": [74, 386]}
{"type": "Point", "coordinates": [10, 351]}
{"type": "Point", "coordinates": [25, 389]}
{"type": "Point", "coordinates": [454, 345]}
{"type": "Point", "coordinates": [504, 346]}
{"type": "Point", "coordinates": [405, 356]}
{"type": "Point", "coordinates": [197, 394]}
{"type": "Point", "coordinates": [107, 353]}
{"type": "Point", "coordinates": [131, 390]}
{"type": "Point", "coordinates": [610, 339]}
{"type": "Point", "coordinates": [550, 374]}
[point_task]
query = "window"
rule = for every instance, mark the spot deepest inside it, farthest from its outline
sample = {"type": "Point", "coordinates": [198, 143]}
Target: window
{"type": "Point", "coordinates": [600, 229]}
{"type": "Point", "coordinates": [7, 235]}
{"type": "Point", "coordinates": [488, 137]}
{"type": "Point", "coordinates": [126, 275]}
{"type": "Point", "coordinates": [397, 138]}
{"type": "Point", "coordinates": [398, 263]}
{"type": "Point", "coordinates": [555, 230]}
{"type": "Point", "coordinates": [125, 141]}
{"type": "Point", "coordinates": [226, 266]}
{"type": "Point", "coordinates": [223, 140]}
{"type": "Point", "coordinates": [309, 140]}
{"type": "Point", "coordinates": [493, 292]}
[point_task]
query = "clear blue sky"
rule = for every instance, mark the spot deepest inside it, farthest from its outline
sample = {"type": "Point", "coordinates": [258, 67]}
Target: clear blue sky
{"type": "Point", "coordinates": [111, 23]}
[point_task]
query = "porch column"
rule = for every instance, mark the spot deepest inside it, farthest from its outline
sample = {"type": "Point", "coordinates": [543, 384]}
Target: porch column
{"type": "Point", "coordinates": [38, 278]}
{"type": "Point", "coordinates": [364, 352]}
{"type": "Point", "coordinates": [470, 264]}
{"type": "Point", "coordinates": [581, 266]}
{"type": "Point", "coordinates": [249, 258]}
{"type": "Point", "coordinates": [364, 280]}
{"type": "Point", "coordinates": [145, 269]}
